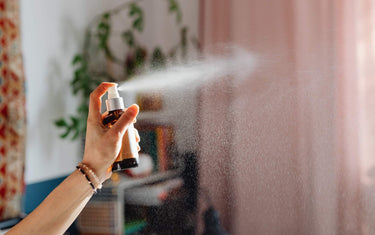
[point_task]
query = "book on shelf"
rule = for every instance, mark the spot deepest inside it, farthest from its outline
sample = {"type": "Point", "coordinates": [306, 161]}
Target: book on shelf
{"type": "Point", "coordinates": [133, 227]}
{"type": "Point", "coordinates": [158, 142]}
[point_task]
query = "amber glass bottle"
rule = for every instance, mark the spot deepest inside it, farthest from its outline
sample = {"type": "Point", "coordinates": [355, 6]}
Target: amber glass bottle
{"type": "Point", "coordinates": [128, 156]}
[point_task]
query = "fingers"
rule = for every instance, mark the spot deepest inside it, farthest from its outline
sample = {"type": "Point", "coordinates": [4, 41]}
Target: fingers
{"type": "Point", "coordinates": [126, 119]}
{"type": "Point", "coordinates": [95, 100]}
{"type": "Point", "coordinates": [104, 114]}
{"type": "Point", "coordinates": [137, 137]}
{"type": "Point", "coordinates": [138, 147]}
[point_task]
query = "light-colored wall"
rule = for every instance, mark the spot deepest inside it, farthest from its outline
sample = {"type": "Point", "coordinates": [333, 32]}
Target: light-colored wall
{"type": "Point", "coordinates": [52, 32]}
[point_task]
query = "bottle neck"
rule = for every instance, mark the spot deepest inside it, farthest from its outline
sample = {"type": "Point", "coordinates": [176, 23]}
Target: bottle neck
{"type": "Point", "coordinates": [115, 104]}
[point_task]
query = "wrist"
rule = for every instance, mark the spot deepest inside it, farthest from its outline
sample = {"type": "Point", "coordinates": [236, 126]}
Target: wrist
{"type": "Point", "coordinates": [91, 176]}
{"type": "Point", "coordinates": [98, 170]}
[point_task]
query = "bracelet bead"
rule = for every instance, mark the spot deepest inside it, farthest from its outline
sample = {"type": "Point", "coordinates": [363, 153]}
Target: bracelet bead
{"type": "Point", "coordinates": [93, 177]}
{"type": "Point", "coordinates": [87, 178]}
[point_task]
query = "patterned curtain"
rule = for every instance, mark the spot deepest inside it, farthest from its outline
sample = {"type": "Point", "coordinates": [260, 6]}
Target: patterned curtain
{"type": "Point", "coordinates": [12, 111]}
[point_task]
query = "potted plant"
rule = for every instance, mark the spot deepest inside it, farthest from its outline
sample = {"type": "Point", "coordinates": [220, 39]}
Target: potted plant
{"type": "Point", "coordinates": [136, 58]}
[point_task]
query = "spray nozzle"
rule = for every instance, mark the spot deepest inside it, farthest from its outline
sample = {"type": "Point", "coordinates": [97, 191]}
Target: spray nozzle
{"type": "Point", "coordinates": [114, 100]}
{"type": "Point", "coordinates": [113, 93]}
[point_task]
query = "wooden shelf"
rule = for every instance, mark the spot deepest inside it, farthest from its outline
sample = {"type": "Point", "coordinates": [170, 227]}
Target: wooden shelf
{"type": "Point", "coordinates": [128, 182]}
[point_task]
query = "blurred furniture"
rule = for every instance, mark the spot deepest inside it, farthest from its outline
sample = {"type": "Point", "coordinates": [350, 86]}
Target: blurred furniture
{"type": "Point", "coordinates": [105, 213]}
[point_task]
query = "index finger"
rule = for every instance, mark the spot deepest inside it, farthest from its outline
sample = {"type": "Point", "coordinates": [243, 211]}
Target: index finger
{"type": "Point", "coordinates": [95, 100]}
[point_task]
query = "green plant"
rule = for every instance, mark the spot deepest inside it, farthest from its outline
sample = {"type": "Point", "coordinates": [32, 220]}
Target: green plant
{"type": "Point", "coordinates": [137, 58]}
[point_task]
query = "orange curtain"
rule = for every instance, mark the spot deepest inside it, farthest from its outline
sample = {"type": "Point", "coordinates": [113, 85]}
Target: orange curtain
{"type": "Point", "coordinates": [12, 112]}
{"type": "Point", "coordinates": [290, 150]}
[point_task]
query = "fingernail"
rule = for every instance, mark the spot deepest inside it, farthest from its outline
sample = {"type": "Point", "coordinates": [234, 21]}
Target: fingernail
{"type": "Point", "coordinates": [132, 110]}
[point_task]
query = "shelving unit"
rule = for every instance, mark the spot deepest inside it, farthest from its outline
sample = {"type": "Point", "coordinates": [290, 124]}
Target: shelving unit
{"type": "Point", "coordinates": [109, 203]}
{"type": "Point", "coordinates": [128, 182]}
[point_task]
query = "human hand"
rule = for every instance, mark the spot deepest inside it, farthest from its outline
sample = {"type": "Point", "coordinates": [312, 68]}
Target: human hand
{"type": "Point", "coordinates": [102, 144]}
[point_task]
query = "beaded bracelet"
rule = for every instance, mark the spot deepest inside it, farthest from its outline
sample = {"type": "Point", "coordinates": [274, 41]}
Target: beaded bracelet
{"type": "Point", "coordinates": [87, 178]}
{"type": "Point", "coordinates": [92, 175]}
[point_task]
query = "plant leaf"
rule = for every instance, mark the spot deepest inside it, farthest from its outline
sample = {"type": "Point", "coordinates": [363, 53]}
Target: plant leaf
{"type": "Point", "coordinates": [174, 7]}
{"type": "Point", "coordinates": [76, 134]}
{"type": "Point", "coordinates": [64, 135]}
{"type": "Point", "coordinates": [128, 38]}
{"type": "Point", "coordinates": [134, 9]}
{"type": "Point", "coordinates": [75, 122]}
{"type": "Point", "coordinates": [138, 24]}
{"type": "Point", "coordinates": [106, 15]}
{"type": "Point", "coordinates": [77, 58]}
{"type": "Point", "coordinates": [140, 57]}
{"type": "Point", "coordinates": [60, 122]}
{"type": "Point", "coordinates": [158, 58]}
{"type": "Point", "coordinates": [137, 13]}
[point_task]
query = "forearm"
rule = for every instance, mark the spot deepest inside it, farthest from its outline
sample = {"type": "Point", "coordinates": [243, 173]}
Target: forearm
{"type": "Point", "coordinates": [58, 211]}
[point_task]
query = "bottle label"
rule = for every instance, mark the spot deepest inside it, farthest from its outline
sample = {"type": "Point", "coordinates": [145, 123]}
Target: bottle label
{"type": "Point", "coordinates": [129, 145]}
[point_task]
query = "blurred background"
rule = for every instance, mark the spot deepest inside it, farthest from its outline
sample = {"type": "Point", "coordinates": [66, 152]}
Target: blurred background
{"type": "Point", "coordinates": [256, 116]}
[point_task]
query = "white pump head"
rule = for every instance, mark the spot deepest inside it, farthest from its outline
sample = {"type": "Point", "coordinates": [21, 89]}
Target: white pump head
{"type": "Point", "coordinates": [114, 100]}
{"type": "Point", "coordinates": [113, 93]}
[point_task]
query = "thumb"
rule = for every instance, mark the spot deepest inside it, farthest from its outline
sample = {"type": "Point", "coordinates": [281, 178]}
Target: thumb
{"type": "Point", "coordinates": [126, 119]}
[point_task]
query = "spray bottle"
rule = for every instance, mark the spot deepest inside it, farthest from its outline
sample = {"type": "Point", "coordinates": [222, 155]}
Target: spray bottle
{"type": "Point", "coordinates": [128, 156]}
